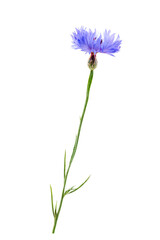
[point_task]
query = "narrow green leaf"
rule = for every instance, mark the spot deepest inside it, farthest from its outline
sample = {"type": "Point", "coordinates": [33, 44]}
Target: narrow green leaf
{"type": "Point", "coordinates": [68, 191]}
{"type": "Point", "coordinates": [79, 186]}
{"type": "Point", "coordinates": [65, 164]}
{"type": "Point", "coordinates": [52, 201]}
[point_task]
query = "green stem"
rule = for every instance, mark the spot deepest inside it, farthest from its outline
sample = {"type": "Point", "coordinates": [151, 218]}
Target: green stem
{"type": "Point", "coordinates": [74, 149]}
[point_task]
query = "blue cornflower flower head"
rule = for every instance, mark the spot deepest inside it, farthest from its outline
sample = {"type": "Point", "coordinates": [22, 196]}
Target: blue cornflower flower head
{"type": "Point", "coordinates": [90, 42]}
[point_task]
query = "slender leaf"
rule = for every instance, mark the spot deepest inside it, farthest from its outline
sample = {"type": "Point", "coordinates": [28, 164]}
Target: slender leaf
{"type": "Point", "coordinates": [79, 186]}
{"type": "Point", "coordinates": [68, 191]}
{"type": "Point", "coordinates": [52, 201]}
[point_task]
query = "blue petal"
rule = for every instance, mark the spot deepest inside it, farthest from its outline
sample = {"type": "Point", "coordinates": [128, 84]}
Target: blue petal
{"type": "Point", "coordinates": [89, 41]}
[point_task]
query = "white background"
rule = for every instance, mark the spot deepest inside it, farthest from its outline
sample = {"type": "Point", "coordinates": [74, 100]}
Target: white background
{"type": "Point", "coordinates": [42, 91]}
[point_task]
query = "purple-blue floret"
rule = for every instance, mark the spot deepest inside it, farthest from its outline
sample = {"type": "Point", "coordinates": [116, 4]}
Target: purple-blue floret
{"type": "Point", "coordinates": [88, 41]}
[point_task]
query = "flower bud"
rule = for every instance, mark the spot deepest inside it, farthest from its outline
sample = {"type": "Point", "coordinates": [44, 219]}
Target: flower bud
{"type": "Point", "coordinates": [92, 62]}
